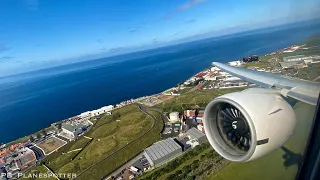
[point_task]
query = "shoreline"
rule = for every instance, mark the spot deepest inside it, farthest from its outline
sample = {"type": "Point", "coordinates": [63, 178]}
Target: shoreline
{"type": "Point", "coordinates": [136, 100]}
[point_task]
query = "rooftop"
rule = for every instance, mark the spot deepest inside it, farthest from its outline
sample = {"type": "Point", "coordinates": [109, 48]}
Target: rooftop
{"type": "Point", "coordinates": [195, 133]}
{"type": "Point", "coordinates": [72, 126]}
{"type": "Point", "coordinates": [162, 148]}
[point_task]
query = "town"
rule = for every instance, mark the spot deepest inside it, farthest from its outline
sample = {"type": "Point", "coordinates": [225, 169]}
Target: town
{"type": "Point", "coordinates": [182, 130]}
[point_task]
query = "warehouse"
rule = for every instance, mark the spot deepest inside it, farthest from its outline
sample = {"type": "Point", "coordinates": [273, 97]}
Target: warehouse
{"type": "Point", "coordinates": [163, 151]}
{"type": "Point", "coordinates": [195, 134]}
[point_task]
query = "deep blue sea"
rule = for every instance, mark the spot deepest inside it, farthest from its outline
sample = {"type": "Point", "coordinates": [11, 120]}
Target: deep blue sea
{"type": "Point", "coordinates": [32, 101]}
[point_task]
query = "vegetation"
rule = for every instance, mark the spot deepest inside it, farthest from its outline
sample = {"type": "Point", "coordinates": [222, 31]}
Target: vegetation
{"type": "Point", "coordinates": [306, 52]}
{"type": "Point", "coordinates": [273, 165]}
{"type": "Point", "coordinates": [190, 99]}
{"type": "Point", "coordinates": [310, 73]}
{"type": "Point", "coordinates": [109, 134]}
{"type": "Point", "coordinates": [194, 164]}
{"type": "Point", "coordinates": [312, 41]}
{"type": "Point", "coordinates": [259, 64]}
{"type": "Point", "coordinates": [39, 170]}
{"type": "Point", "coordinates": [121, 157]}
{"type": "Point", "coordinates": [313, 45]}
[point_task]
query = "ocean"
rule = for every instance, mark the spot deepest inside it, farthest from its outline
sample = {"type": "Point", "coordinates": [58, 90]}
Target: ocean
{"type": "Point", "coordinates": [32, 101]}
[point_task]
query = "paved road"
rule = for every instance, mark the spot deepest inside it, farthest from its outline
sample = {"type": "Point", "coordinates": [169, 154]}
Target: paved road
{"type": "Point", "coordinates": [129, 163]}
{"type": "Point", "coordinates": [38, 152]}
{"type": "Point", "coordinates": [143, 109]}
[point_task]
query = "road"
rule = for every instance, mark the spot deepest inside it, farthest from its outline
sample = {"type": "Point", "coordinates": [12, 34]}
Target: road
{"type": "Point", "coordinates": [129, 163]}
{"type": "Point", "coordinates": [143, 109]}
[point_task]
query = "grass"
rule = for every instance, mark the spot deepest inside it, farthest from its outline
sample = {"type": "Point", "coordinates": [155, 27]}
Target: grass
{"type": "Point", "coordinates": [109, 165]}
{"type": "Point", "coordinates": [309, 73]}
{"type": "Point", "coordinates": [108, 136]}
{"type": "Point", "coordinates": [39, 170]}
{"type": "Point", "coordinates": [199, 97]}
{"type": "Point", "coordinates": [195, 162]}
{"type": "Point", "coordinates": [272, 165]}
{"type": "Point", "coordinates": [306, 52]}
{"type": "Point", "coordinates": [261, 64]}
{"type": "Point", "coordinates": [50, 144]}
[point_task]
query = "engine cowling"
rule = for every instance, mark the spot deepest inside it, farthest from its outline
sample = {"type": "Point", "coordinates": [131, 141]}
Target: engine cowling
{"type": "Point", "coordinates": [244, 126]}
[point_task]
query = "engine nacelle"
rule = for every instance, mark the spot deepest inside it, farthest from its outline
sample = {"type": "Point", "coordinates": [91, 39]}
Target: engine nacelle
{"type": "Point", "coordinates": [244, 126]}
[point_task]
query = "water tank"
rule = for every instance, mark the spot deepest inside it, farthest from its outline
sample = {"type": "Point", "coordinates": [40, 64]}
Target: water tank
{"type": "Point", "coordinates": [174, 117]}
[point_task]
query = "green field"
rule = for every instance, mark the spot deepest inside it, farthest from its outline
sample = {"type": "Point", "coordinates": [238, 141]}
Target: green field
{"type": "Point", "coordinates": [197, 162]}
{"type": "Point", "coordinates": [109, 165]}
{"type": "Point", "coordinates": [313, 45]}
{"type": "Point", "coordinates": [39, 170]}
{"type": "Point", "coordinates": [272, 166]}
{"type": "Point", "coordinates": [109, 134]}
{"type": "Point", "coordinates": [310, 73]}
{"type": "Point", "coordinates": [190, 99]}
{"type": "Point", "coordinates": [259, 64]}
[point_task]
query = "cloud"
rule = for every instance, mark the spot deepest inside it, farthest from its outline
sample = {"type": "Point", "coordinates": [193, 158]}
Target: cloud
{"type": "Point", "coordinates": [4, 48]}
{"type": "Point", "coordinates": [191, 21]}
{"type": "Point", "coordinates": [5, 58]}
{"type": "Point", "coordinates": [133, 30]}
{"type": "Point", "coordinates": [178, 33]}
{"type": "Point", "coordinates": [32, 5]}
{"type": "Point", "coordinates": [188, 5]}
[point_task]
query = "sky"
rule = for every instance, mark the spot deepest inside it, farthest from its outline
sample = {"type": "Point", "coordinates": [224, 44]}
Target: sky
{"type": "Point", "coordinates": [35, 34]}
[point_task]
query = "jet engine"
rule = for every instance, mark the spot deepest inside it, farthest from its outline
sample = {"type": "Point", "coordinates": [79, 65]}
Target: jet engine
{"type": "Point", "coordinates": [246, 125]}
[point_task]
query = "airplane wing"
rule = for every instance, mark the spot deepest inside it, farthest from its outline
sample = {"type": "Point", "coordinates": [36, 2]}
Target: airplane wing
{"type": "Point", "coordinates": [302, 90]}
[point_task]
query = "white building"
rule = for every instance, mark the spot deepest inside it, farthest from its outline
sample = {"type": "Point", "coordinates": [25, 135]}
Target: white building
{"type": "Point", "coordinates": [235, 63]}
{"type": "Point", "coordinates": [85, 114]}
{"type": "Point", "coordinates": [72, 130]}
{"type": "Point", "coordinates": [232, 78]}
{"type": "Point", "coordinates": [213, 69]}
{"type": "Point", "coordinates": [174, 117]}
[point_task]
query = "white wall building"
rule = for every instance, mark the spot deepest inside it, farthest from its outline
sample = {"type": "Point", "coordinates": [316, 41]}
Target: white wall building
{"type": "Point", "coordinates": [213, 69]}
{"type": "Point", "coordinates": [235, 63]}
{"type": "Point", "coordinates": [174, 117]}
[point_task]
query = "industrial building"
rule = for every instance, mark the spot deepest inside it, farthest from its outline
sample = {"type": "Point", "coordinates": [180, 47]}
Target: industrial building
{"type": "Point", "coordinates": [195, 134]}
{"type": "Point", "coordinates": [296, 58]}
{"type": "Point", "coordinates": [292, 64]}
{"type": "Point", "coordinates": [235, 63]}
{"type": "Point", "coordinates": [105, 109]}
{"type": "Point", "coordinates": [162, 151]}
{"type": "Point", "coordinates": [72, 130]}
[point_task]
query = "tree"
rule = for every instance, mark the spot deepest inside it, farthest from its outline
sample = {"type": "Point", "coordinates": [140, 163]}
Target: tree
{"type": "Point", "coordinates": [38, 135]}
{"type": "Point", "coordinates": [191, 177]}
{"type": "Point", "coordinates": [31, 138]}
{"type": "Point", "coordinates": [44, 132]}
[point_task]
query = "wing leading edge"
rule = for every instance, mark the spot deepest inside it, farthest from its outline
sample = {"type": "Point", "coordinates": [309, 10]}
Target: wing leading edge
{"type": "Point", "coordinates": [302, 90]}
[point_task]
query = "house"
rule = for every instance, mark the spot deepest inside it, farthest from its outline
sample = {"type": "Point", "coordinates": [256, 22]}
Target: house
{"type": "Point", "coordinates": [3, 153]}
{"type": "Point", "coordinates": [25, 158]}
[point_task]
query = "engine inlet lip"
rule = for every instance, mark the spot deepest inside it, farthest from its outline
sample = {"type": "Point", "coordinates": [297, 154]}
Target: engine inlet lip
{"type": "Point", "coordinates": [221, 147]}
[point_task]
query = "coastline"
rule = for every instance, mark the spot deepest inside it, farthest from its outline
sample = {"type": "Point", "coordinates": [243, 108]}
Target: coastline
{"type": "Point", "coordinates": [126, 102]}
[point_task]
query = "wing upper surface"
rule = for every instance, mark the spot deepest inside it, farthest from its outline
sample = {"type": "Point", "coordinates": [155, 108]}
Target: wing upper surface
{"type": "Point", "coordinates": [302, 90]}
